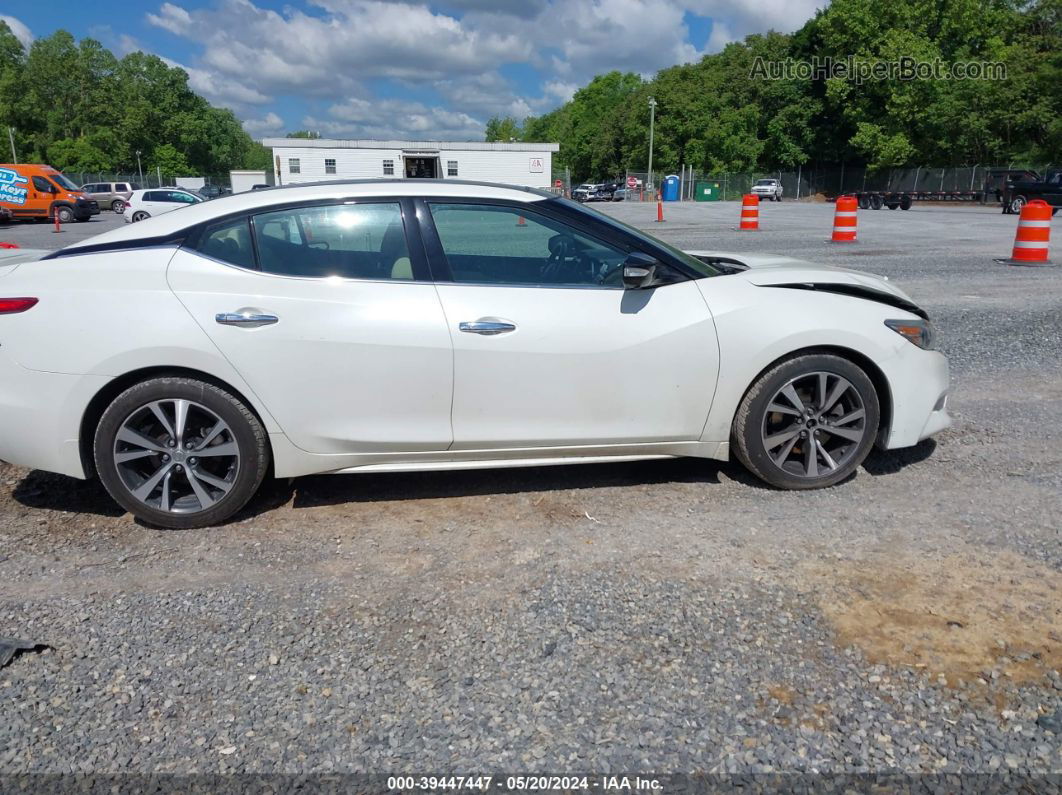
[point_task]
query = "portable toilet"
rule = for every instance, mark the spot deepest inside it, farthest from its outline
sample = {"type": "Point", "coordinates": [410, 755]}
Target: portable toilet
{"type": "Point", "coordinates": [670, 191]}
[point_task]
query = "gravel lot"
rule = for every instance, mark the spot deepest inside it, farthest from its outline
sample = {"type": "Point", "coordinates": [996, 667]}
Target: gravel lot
{"type": "Point", "coordinates": [662, 616]}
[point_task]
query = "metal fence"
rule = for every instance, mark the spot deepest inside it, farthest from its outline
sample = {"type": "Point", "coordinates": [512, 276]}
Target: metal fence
{"type": "Point", "coordinates": [832, 181]}
{"type": "Point", "coordinates": [149, 179]}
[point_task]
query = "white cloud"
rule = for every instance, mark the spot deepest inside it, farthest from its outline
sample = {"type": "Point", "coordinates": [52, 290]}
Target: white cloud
{"type": "Point", "coordinates": [451, 54]}
{"type": "Point", "coordinates": [22, 33]}
{"type": "Point", "coordinates": [270, 124]}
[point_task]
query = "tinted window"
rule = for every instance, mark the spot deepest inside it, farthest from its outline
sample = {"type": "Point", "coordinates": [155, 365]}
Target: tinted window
{"type": "Point", "coordinates": [181, 197]}
{"type": "Point", "coordinates": [507, 245]}
{"type": "Point", "coordinates": [43, 185]}
{"type": "Point", "coordinates": [153, 196]}
{"type": "Point", "coordinates": [352, 241]}
{"type": "Point", "coordinates": [229, 242]}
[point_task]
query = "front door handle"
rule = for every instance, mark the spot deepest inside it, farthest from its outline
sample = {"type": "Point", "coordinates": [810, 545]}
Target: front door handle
{"type": "Point", "coordinates": [246, 318]}
{"type": "Point", "coordinates": [486, 327]}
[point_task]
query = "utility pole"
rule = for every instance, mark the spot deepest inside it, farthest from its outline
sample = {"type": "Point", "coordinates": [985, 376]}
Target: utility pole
{"type": "Point", "coordinates": [652, 119]}
{"type": "Point", "coordinates": [139, 170]}
{"type": "Point", "coordinates": [11, 138]}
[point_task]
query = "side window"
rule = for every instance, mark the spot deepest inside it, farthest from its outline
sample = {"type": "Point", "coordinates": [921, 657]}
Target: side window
{"type": "Point", "coordinates": [229, 242]}
{"type": "Point", "coordinates": [41, 185]}
{"type": "Point", "coordinates": [151, 196]}
{"type": "Point", "coordinates": [181, 198]}
{"type": "Point", "coordinates": [489, 244]}
{"type": "Point", "coordinates": [351, 241]}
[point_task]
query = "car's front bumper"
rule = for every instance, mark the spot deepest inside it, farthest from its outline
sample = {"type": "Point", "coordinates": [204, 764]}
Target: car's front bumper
{"type": "Point", "coordinates": [919, 381]}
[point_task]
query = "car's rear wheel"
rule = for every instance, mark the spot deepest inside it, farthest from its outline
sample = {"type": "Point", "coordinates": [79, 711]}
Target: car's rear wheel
{"type": "Point", "coordinates": [140, 215]}
{"type": "Point", "coordinates": [807, 423]}
{"type": "Point", "coordinates": [180, 453]}
{"type": "Point", "coordinates": [118, 206]}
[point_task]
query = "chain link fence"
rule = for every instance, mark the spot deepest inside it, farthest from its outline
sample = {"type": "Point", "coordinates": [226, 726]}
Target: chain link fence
{"type": "Point", "coordinates": [981, 183]}
{"type": "Point", "coordinates": [149, 179]}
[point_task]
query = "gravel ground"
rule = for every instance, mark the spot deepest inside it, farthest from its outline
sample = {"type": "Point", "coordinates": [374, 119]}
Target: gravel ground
{"type": "Point", "coordinates": [662, 616]}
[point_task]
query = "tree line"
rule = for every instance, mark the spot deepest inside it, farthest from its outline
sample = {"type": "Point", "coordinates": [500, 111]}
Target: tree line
{"type": "Point", "coordinates": [76, 106]}
{"type": "Point", "coordinates": [723, 114]}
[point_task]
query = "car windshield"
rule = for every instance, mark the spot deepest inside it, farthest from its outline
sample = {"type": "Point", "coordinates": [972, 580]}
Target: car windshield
{"type": "Point", "coordinates": [690, 261]}
{"type": "Point", "coordinates": [765, 182]}
{"type": "Point", "coordinates": [63, 182]}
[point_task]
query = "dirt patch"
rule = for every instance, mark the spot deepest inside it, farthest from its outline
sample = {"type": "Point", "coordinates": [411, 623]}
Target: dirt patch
{"type": "Point", "coordinates": [960, 618]}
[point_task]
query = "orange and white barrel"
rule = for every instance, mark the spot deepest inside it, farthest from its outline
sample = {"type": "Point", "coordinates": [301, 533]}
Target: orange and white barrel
{"type": "Point", "coordinates": [844, 220]}
{"type": "Point", "coordinates": [1033, 235]}
{"type": "Point", "coordinates": [750, 212]}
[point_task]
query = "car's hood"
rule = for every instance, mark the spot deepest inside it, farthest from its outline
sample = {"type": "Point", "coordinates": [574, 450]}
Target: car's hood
{"type": "Point", "coordinates": [777, 270]}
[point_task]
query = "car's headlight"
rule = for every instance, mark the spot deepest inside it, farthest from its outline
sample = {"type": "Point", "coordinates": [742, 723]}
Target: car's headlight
{"type": "Point", "coordinates": [921, 332]}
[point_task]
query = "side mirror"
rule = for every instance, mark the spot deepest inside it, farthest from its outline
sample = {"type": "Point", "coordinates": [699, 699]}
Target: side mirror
{"type": "Point", "coordinates": [639, 271]}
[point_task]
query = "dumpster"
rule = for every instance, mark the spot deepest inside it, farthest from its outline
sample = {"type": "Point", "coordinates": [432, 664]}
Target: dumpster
{"type": "Point", "coordinates": [706, 192]}
{"type": "Point", "coordinates": [670, 189]}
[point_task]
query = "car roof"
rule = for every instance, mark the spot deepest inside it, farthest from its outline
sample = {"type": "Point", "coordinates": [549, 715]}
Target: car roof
{"type": "Point", "coordinates": [161, 226]}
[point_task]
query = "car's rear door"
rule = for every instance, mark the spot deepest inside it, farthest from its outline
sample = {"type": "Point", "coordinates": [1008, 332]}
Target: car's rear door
{"type": "Point", "coordinates": [546, 353]}
{"type": "Point", "coordinates": [328, 313]}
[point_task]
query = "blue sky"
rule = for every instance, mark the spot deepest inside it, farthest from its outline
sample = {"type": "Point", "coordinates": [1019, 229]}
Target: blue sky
{"type": "Point", "coordinates": [402, 68]}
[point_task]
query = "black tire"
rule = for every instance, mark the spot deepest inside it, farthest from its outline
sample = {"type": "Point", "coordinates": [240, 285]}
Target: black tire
{"type": "Point", "coordinates": [247, 432]}
{"type": "Point", "coordinates": [876, 202]}
{"type": "Point", "coordinates": [64, 214]}
{"type": "Point", "coordinates": [747, 439]}
{"type": "Point", "coordinates": [140, 215]}
{"type": "Point", "coordinates": [118, 206]}
{"type": "Point", "coordinates": [905, 202]}
{"type": "Point", "coordinates": [864, 202]}
{"type": "Point", "coordinates": [893, 205]}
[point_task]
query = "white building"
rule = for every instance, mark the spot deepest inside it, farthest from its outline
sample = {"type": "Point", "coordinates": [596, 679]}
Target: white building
{"type": "Point", "coordinates": [302, 160]}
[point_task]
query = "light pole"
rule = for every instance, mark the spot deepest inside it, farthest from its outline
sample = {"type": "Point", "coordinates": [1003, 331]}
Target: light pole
{"type": "Point", "coordinates": [139, 170]}
{"type": "Point", "coordinates": [652, 119]}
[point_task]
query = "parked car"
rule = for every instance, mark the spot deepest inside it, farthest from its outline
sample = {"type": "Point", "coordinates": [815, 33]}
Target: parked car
{"type": "Point", "coordinates": [587, 192]}
{"type": "Point", "coordinates": [387, 326]}
{"type": "Point", "coordinates": [37, 192]}
{"type": "Point", "coordinates": [619, 194]}
{"type": "Point", "coordinates": [144, 204]}
{"type": "Point", "coordinates": [1021, 191]}
{"type": "Point", "coordinates": [768, 189]}
{"type": "Point", "coordinates": [213, 191]}
{"type": "Point", "coordinates": [110, 195]}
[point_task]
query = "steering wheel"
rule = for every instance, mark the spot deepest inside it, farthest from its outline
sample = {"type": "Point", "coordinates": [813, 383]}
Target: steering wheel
{"type": "Point", "coordinates": [613, 277]}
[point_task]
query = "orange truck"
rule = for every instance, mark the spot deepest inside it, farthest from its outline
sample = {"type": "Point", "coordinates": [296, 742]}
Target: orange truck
{"type": "Point", "coordinates": [36, 191]}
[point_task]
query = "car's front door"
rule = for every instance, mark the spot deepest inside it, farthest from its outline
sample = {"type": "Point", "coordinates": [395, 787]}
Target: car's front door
{"type": "Point", "coordinates": [549, 349]}
{"type": "Point", "coordinates": [332, 323]}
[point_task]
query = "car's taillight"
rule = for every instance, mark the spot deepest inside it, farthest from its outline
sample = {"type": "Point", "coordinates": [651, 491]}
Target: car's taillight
{"type": "Point", "coordinates": [12, 306]}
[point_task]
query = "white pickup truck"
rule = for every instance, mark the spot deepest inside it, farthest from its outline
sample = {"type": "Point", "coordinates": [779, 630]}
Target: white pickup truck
{"type": "Point", "coordinates": [768, 189]}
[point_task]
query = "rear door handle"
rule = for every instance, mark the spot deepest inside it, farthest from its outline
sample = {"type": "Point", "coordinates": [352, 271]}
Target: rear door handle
{"type": "Point", "coordinates": [487, 328]}
{"type": "Point", "coordinates": [246, 318]}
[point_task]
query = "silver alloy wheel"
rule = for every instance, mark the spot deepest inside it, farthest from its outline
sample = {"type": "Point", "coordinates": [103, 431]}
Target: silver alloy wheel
{"type": "Point", "coordinates": [814, 424]}
{"type": "Point", "coordinates": [176, 456]}
{"type": "Point", "coordinates": [1016, 204]}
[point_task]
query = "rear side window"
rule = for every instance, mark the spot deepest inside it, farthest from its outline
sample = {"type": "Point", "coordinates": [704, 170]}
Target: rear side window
{"type": "Point", "coordinates": [351, 241]}
{"type": "Point", "coordinates": [229, 242]}
{"type": "Point", "coordinates": [152, 196]}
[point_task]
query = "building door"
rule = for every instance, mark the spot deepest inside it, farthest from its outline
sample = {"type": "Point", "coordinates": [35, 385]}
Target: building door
{"type": "Point", "coordinates": [422, 167]}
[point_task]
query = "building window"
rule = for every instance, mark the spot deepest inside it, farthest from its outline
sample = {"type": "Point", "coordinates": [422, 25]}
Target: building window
{"type": "Point", "coordinates": [293, 166]}
{"type": "Point", "coordinates": [451, 168]}
{"type": "Point", "coordinates": [330, 165]}
{"type": "Point", "coordinates": [389, 168]}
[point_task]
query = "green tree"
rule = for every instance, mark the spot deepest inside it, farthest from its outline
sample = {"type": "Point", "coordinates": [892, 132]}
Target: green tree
{"type": "Point", "coordinates": [310, 134]}
{"type": "Point", "coordinates": [171, 162]}
{"type": "Point", "coordinates": [503, 129]}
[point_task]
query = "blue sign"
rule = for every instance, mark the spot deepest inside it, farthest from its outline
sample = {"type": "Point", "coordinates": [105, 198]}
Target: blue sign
{"type": "Point", "coordinates": [10, 192]}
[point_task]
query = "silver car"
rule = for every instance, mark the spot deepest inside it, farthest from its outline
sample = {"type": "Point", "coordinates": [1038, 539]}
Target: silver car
{"type": "Point", "coordinates": [110, 195]}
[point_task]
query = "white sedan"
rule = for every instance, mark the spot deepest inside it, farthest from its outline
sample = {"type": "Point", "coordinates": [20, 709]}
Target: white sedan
{"type": "Point", "coordinates": [395, 326]}
{"type": "Point", "coordinates": [144, 204]}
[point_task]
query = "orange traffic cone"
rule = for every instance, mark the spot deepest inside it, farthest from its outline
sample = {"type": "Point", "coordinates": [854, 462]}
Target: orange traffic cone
{"type": "Point", "coordinates": [520, 221]}
{"type": "Point", "coordinates": [1033, 235]}
{"type": "Point", "coordinates": [844, 220]}
{"type": "Point", "coordinates": [750, 212]}
{"type": "Point", "coordinates": [659, 211]}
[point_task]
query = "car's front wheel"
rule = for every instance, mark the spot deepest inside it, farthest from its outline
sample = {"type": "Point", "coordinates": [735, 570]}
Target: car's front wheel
{"type": "Point", "coordinates": [180, 453]}
{"type": "Point", "coordinates": [807, 423]}
{"type": "Point", "coordinates": [65, 214]}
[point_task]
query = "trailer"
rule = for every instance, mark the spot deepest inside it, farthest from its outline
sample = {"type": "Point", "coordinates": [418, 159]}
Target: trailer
{"type": "Point", "coordinates": [877, 199]}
